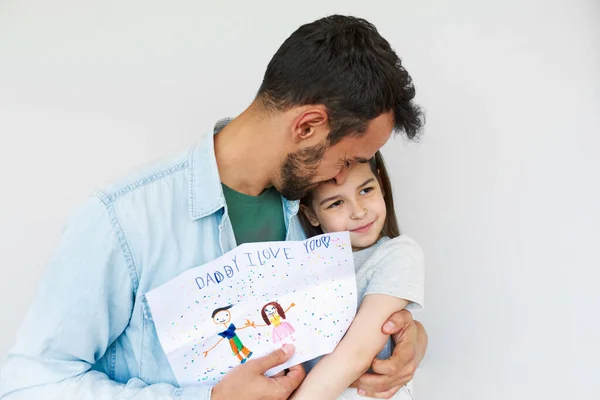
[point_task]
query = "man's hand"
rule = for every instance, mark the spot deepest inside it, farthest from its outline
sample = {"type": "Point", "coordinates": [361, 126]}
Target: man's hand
{"type": "Point", "coordinates": [390, 375]}
{"type": "Point", "coordinates": [248, 381]}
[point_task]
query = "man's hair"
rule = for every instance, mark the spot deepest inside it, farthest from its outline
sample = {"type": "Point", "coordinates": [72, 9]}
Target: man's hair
{"type": "Point", "coordinates": [218, 310]}
{"type": "Point", "coordinates": [344, 64]}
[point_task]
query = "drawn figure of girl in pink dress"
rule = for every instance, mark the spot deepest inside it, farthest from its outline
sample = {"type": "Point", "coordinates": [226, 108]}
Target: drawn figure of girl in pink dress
{"type": "Point", "coordinates": [273, 314]}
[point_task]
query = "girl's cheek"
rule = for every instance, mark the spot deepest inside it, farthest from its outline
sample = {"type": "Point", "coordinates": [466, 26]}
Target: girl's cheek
{"type": "Point", "coordinates": [336, 224]}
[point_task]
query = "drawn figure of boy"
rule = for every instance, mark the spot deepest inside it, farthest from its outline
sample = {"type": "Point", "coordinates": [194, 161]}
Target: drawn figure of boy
{"type": "Point", "coordinates": [273, 313]}
{"type": "Point", "coordinates": [223, 316]}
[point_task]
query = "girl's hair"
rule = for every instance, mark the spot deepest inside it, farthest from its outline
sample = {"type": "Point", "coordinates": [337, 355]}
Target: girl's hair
{"type": "Point", "coordinates": [279, 311]}
{"type": "Point", "coordinates": [390, 228]}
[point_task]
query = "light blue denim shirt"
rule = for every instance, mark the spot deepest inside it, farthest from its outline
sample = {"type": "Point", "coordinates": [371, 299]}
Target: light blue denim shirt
{"type": "Point", "coordinates": [89, 333]}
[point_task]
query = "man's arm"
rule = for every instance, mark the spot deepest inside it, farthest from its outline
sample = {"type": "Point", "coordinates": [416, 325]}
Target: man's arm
{"type": "Point", "coordinates": [390, 375]}
{"type": "Point", "coordinates": [83, 304]}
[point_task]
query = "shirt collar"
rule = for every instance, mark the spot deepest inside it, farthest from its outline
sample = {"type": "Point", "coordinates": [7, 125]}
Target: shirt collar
{"type": "Point", "coordinates": [205, 190]}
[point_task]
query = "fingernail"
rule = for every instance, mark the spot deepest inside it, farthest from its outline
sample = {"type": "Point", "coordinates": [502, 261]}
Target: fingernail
{"type": "Point", "coordinates": [287, 348]}
{"type": "Point", "coordinates": [361, 392]}
{"type": "Point", "coordinates": [389, 325]}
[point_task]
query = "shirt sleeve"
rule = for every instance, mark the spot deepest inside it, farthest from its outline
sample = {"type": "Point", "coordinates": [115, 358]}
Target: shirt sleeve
{"type": "Point", "coordinates": [84, 302]}
{"type": "Point", "coordinates": [397, 269]}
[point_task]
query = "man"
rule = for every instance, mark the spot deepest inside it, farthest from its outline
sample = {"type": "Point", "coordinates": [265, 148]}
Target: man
{"type": "Point", "coordinates": [331, 96]}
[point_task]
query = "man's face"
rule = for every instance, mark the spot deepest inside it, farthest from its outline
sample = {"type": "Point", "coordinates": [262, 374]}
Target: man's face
{"type": "Point", "coordinates": [304, 169]}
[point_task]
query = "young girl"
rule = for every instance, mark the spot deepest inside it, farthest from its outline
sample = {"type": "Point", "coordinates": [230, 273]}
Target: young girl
{"type": "Point", "coordinates": [389, 275]}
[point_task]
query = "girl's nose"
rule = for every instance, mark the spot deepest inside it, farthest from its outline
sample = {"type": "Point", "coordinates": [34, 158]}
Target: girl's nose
{"type": "Point", "coordinates": [359, 212]}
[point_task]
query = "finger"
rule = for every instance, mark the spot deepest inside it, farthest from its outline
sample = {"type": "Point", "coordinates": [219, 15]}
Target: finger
{"type": "Point", "coordinates": [273, 359]}
{"type": "Point", "coordinates": [375, 383]}
{"type": "Point", "coordinates": [381, 395]}
{"type": "Point", "coordinates": [396, 322]}
{"type": "Point", "coordinates": [399, 376]}
{"type": "Point", "coordinates": [292, 379]}
{"type": "Point", "coordinates": [282, 373]}
{"type": "Point", "coordinates": [385, 367]}
{"type": "Point", "coordinates": [402, 359]}
{"type": "Point", "coordinates": [297, 370]}
{"type": "Point", "coordinates": [408, 335]}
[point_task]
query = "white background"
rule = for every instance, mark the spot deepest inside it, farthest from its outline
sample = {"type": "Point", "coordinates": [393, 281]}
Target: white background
{"type": "Point", "coordinates": [502, 192]}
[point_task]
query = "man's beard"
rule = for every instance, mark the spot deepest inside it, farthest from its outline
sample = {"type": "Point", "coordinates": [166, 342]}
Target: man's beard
{"type": "Point", "coordinates": [299, 170]}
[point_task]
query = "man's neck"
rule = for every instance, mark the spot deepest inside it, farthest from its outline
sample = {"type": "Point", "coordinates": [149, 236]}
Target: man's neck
{"type": "Point", "coordinates": [248, 152]}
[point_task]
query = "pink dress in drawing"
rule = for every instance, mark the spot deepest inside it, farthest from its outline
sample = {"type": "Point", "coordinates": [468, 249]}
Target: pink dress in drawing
{"type": "Point", "coordinates": [273, 314]}
{"type": "Point", "coordinates": [281, 329]}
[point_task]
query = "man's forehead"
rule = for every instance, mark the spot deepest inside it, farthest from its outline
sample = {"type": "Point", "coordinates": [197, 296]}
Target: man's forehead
{"type": "Point", "coordinates": [364, 147]}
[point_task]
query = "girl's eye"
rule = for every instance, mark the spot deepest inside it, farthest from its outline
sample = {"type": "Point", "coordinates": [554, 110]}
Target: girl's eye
{"type": "Point", "coordinates": [335, 204]}
{"type": "Point", "coordinates": [366, 190]}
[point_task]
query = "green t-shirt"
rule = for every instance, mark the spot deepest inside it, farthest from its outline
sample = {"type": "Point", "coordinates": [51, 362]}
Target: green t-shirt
{"type": "Point", "coordinates": [255, 218]}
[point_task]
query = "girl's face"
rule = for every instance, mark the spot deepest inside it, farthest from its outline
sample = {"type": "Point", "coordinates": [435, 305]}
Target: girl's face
{"type": "Point", "coordinates": [357, 205]}
{"type": "Point", "coordinates": [270, 309]}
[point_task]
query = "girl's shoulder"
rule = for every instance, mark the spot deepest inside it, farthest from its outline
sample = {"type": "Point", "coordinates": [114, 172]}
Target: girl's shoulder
{"type": "Point", "coordinates": [401, 246]}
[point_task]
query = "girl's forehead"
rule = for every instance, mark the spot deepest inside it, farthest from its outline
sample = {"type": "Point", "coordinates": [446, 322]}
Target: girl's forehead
{"type": "Point", "coordinates": [357, 174]}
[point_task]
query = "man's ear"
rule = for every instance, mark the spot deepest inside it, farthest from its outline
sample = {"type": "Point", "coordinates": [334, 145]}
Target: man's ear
{"type": "Point", "coordinates": [310, 215]}
{"type": "Point", "coordinates": [312, 122]}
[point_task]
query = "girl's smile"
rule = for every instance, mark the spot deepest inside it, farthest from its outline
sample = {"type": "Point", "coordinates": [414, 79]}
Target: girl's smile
{"type": "Point", "coordinates": [364, 228]}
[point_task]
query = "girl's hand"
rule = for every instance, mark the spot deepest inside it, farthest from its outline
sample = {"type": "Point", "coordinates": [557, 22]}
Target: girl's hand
{"type": "Point", "coordinates": [292, 305]}
{"type": "Point", "coordinates": [250, 323]}
{"type": "Point", "coordinates": [205, 353]}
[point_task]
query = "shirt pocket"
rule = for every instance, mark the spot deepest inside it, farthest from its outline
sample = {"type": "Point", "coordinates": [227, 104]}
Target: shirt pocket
{"type": "Point", "coordinates": [154, 365]}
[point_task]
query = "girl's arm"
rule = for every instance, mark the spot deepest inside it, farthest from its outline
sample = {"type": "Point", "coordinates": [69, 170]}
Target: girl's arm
{"type": "Point", "coordinates": [354, 354]}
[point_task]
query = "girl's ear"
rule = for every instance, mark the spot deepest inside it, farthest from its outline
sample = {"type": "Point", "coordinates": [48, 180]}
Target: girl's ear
{"type": "Point", "coordinates": [310, 215]}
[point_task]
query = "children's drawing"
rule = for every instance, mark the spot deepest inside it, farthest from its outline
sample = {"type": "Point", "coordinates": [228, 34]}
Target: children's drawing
{"type": "Point", "coordinates": [252, 300]}
{"type": "Point", "coordinates": [273, 314]}
{"type": "Point", "coordinates": [223, 316]}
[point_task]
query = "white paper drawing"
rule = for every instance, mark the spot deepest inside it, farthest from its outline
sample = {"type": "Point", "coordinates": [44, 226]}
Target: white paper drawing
{"type": "Point", "coordinates": [251, 301]}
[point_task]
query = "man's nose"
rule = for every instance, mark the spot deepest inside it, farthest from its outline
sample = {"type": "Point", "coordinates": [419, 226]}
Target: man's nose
{"type": "Point", "coordinates": [341, 176]}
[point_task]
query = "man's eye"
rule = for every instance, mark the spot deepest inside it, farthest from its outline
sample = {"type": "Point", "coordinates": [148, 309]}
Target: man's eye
{"type": "Point", "coordinates": [335, 204]}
